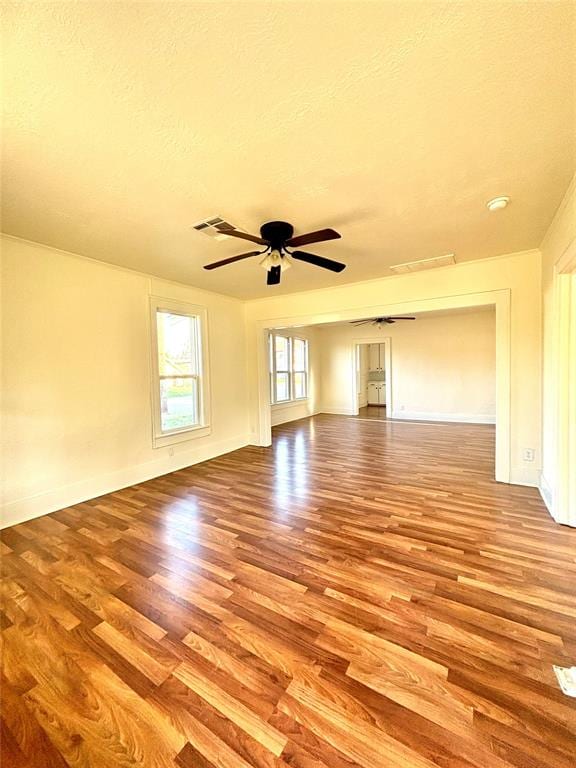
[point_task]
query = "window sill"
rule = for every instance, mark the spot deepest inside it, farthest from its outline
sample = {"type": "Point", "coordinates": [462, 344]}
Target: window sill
{"type": "Point", "coordinates": [159, 441]}
{"type": "Point", "coordinates": [290, 403]}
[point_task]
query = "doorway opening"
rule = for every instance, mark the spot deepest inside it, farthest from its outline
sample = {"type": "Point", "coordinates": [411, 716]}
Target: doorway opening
{"type": "Point", "coordinates": [373, 379]}
{"type": "Point", "coordinates": [332, 400]}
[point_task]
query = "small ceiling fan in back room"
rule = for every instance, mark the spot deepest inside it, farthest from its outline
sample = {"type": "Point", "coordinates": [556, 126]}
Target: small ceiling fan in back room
{"type": "Point", "coordinates": [278, 237]}
{"type": "Point", "coordinates": [380, 321]}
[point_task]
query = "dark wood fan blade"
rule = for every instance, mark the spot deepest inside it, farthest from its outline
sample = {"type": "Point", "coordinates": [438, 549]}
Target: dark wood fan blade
{"type": "Point", "coordinates": [244, 236]}
{"type": "Point", "coordinates": [222, 263]}
{"type": "Point", "coordinates": [359, 322]}
{"type": "Point", "coordinates": [400, 318]}
{"type": "Point", "coordinates": [313, 237]}
{"type": "Point", "coordinates": [318, 261]}
{"type": "Point", "coordinates": [273, 277]}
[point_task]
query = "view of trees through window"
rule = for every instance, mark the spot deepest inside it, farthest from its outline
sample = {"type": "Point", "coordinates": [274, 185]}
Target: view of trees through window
{"type": "Point", "coordinates": [178, 367]}
{"type": "Point", "coordinates": [288, 368]}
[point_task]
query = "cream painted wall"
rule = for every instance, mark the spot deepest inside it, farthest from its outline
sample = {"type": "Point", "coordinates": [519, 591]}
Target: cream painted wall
{"type": "Point", "coordinates": [518, 275]}
{"type": "Point", "coordinates": [76, 373]}
{"type": "Point", "coordinates": [443, 367]}
{"type": "Point", "coordinates": [560, 237]}
{"type": "Point", "coordinates": [280, 414]}
{"type": "Point", "coordinates": [76, 379]}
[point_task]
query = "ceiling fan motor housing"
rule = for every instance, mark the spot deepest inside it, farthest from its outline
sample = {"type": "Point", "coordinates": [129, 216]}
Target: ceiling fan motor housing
{"type": "Point", "coordinates": [276, 233]}
{"type": "Point", "coordinates": [275, 236]}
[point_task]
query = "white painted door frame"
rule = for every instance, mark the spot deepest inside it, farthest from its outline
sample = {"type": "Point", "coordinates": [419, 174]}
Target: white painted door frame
{"type": "Point", "coordinates": [564, 495]}
{"type": "Point", "coordinates": [386, 340]}
{"type": "Point", "coordinates": [500, 299]}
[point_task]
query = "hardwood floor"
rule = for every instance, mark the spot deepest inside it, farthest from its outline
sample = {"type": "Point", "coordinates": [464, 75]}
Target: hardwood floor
{"type": "Point", "coordinates": [372, 412]}
{"type": "Point", "coordinates": [361, 594]}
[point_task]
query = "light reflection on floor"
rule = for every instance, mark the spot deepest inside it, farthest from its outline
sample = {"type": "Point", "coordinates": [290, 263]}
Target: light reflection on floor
{"type": "Point", "coordinates": [181, 532]}
{"type": "Point", "coordinates": [181, 524]}
{"type": "Point", "coordinates": [290, 467]}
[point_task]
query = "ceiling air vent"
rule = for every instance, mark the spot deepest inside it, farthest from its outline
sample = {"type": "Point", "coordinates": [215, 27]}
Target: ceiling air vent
{"type": "Point", "coordinates": [417, 266]}
{"type": "Point", "coordinates": [214, 227]}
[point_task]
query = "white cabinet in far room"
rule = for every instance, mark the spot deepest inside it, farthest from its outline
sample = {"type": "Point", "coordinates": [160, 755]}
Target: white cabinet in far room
{"type": "Point", "coordinates": [376, 354]}
{"type": "Point", "coordinates": [373, 357]}
{"type": "Point", "coordinates": [376, 393]}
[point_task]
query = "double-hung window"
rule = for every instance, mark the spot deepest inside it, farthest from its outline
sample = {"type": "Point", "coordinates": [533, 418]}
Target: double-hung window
{"type": "Point", "coordinates": [180, 376]}
{"type": "Point", "coordinates": [288, 368]}
{"type": "Point", "coordinates": [299, 368]}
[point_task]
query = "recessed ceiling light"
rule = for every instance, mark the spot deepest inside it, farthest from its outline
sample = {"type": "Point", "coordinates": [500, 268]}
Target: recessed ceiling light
{"type": "Point", "coordinates": [497, 203]}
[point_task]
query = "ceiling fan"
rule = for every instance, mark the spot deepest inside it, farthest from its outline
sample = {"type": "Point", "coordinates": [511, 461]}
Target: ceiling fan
{"type": "Point", "coordinates": [380, 321]}
{"type": "Point", "coordinates": [277, 236]}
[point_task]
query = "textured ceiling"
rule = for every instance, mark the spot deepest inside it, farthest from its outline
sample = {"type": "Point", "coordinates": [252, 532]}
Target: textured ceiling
{"type": "Point", "coordinates": [126, 123]}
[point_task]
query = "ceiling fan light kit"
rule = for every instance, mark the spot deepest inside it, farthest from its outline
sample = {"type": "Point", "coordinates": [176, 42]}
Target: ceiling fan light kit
{"type": "Point", "coordinates": [276, 259]}
{"type": "Point", "coordinates": [278, 236]}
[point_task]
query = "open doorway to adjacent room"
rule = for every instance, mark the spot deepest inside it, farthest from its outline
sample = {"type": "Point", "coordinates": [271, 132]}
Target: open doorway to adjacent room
{"type": "Point", "coordinates": [439, 367]}
{"type": "Point", "coordinates": [450, 364]}
{"type": "Point", "coordinates": [373, 379]}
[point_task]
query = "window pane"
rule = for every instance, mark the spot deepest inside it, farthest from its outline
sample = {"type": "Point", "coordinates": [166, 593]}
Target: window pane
{"type": "Point", "coordinates": [177, 352]}
{"type": "Point", "coordinates": [282, 354]}
{"type": "Point", "coordinates": [299, 354]}
{"type": "Point", "coordinates": [299, 385]}
{"type": "Point", "coordinates": [178, 403]}
{"type": "Point", "coordinates": [282, 387]}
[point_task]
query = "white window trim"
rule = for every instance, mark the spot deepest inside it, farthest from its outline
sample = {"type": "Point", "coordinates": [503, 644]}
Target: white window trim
{"type": "Point", "coordinates": [292, 401]}
{"type": "Point", "coordinates": [160, 438]}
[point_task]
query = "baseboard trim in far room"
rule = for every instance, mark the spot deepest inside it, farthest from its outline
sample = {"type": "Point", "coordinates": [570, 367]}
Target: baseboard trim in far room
{"type": "Point", "coordinates": [462, 418]}
{"type": "Point", "coordinates": [284, 415]}
{"type": "Point", "coordinates": [339, 411]}
{"type": "Point", "coordinates": [30, 507]}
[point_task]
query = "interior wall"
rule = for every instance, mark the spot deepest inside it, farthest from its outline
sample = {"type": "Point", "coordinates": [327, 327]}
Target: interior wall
{"type": "Point", "coordinates": [76, 379]}
{"type": "Point", "coordinates": [560, 236]}
{"type": "Point", "coordinates": [519, 275]}
{"type": "Point", "coordinates": [76, 366]}
{"type": "Point", "coordinates": [282, 413]}
{"type": "Point", "coordinates": [443, 366]}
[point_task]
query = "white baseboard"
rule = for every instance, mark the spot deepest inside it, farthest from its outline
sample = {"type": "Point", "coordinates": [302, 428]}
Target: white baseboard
{"type": "Point", "coordinates": [521, 475]}
{"type": "Point", "coordinates": [547, 496]}
{"type": "Point", "coordinates": [29, 507]}
{"type": "Point", "coordinates": [339, 411]}
{"type": "Point", "coordinates": [464, 418]}
{"type": "Point", "coordinates": [282, 415]}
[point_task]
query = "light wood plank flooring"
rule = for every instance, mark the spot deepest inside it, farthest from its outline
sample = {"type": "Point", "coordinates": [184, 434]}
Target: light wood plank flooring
{"type": "Point", "coordinates": [372, 412]}
{"type": "Point", "coordinates": [362, 594]}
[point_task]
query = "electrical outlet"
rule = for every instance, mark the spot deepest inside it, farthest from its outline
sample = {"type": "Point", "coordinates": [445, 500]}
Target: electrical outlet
{"type": "Point", "coordinates": [170, 451]}
{"type": "Point", "coordinates": [528, 454]}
